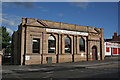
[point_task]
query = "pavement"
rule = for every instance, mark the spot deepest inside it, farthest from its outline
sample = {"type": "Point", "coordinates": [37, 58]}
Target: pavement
{"type": "Point", "coordinates": [59, 66]}
{"type": "Point", "coordinates": [108, 69]}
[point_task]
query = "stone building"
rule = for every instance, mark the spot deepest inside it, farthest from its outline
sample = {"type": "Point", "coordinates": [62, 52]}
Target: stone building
{"type": "Point", "coordinates": [40, 41]}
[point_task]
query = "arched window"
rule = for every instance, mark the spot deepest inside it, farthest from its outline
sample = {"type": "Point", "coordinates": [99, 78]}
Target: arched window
{"type": "Point", "coordinates": [51, 44]}
{"type": "Point", "coordinates": [82, 44]}
{"type": "Point", "coordinates": [67, 45]}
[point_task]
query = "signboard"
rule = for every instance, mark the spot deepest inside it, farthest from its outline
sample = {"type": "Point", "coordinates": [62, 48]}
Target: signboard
{"type": "Point", "coordinates": [90, 53]}
{"type": "Point", "coordinates": [108, 44]}
{"type": "Point", "coordinates": [82, 55]}
{"type": "Point", "coordinates": [66, 32]}
{"type": "Point", "coordinates": [27, 57]}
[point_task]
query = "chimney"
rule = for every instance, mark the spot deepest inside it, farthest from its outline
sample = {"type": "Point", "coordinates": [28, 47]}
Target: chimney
{"type": "Point", "coordinates": [115, 35]}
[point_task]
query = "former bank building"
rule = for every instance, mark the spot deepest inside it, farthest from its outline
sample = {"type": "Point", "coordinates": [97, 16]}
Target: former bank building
{"type": "Point", "coordinates": [40, 42]}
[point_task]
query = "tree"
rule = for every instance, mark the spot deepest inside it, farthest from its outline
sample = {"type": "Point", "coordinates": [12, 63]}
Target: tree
{"type": "Point", "coordinates": [6, 38]}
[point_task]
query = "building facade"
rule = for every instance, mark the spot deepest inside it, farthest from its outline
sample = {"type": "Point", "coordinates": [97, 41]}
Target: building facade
{"type": "Point", "coordinates": [112, 46]}
{"type": "Point", "coordinates": [112, 49]}
{"type": "Point", "coordinates": [115, 39]}
{"type": "Point", "coordinates": [40, 41]}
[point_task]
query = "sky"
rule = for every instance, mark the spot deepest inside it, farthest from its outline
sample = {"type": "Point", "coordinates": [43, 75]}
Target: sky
{"type": "Point", "coordinates": [94, 14]}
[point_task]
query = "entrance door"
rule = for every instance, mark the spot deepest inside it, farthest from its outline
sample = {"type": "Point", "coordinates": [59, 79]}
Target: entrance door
{"type": "Point", "coordinates": [94, 53]}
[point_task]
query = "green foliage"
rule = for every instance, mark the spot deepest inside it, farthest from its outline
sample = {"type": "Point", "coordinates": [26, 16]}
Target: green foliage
{"type": "Point", "coordinates": [6, 38]}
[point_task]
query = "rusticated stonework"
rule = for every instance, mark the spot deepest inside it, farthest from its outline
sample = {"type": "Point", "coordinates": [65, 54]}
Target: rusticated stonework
{"type": "Point", "coordinates": [31, 29]}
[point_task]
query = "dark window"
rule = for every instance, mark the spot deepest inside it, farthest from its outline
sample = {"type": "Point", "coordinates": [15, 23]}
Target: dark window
{"type": "Point", "coordinates": [36, 45]}
{"type": "Point", "coordinates": [81, 44]}
{"type": "Point", "coordinates": [51, 44]}
{"type": "Point", "coordinates": [67, 45]}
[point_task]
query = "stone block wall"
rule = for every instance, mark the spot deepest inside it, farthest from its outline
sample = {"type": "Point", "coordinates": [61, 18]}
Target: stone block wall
{"type": "Point", "coordinates": [36, 29]}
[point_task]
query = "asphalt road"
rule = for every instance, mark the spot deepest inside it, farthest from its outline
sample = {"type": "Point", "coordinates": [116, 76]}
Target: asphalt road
{"type": "Point", "coordinates": [109, 68]}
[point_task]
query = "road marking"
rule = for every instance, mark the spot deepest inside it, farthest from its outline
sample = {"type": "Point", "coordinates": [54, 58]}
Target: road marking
{"type": "Point", "coordinates": [48, 76]}
{"type": "Point", "coordinates": [50, 72]}
{"type": "Point", "coordinates": [81, 71]}
{"type": "Point", "coordinates": [71, 70]}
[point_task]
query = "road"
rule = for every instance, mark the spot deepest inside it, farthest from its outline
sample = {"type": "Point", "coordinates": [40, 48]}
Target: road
{"type": "Point", "coordinates": [108, 68]}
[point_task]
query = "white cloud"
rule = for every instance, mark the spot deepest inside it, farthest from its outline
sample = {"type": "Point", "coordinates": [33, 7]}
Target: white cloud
{"type": "Point", "coordinates": [10, 20]}
{"type": "Point", "coordinates": [18, 0]}
{"type": "Point", "coordinates": [83, 5]}
{"type": "Point", "coordinates": [60, 0]}
{"type": "Point", "coordinates": [7, 22]}
{"type": "Point", "coordinates": [60, 14]}
{"type": "Point", "coordinates": [2, 14]}
{"type": "Point", "coordinates": [41, 8]}
{"type": "Point", "coordinates": [27, 5]}
{"type": "Point", "coordinates": [9, 31]}
{"type": "Point", "coordinates": [44, 10]}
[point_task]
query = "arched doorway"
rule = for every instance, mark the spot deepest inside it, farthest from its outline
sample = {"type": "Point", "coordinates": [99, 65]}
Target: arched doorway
{"type": "Point", "coordinates": [94, 53]}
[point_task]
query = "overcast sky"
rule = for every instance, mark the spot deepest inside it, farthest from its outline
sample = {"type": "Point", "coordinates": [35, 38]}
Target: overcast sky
{"type": "Point", "coordinates": [95, 14]}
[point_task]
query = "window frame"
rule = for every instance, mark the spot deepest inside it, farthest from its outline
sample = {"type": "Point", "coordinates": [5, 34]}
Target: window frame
{"type": "Point", "coordinates": [38, 39]}
{"type": "Point", "coordinates": [83, 48]}
{"type": "Point", "coordinates": [69, 46]}
{"type": "Point", "coordinates": [54, 45]}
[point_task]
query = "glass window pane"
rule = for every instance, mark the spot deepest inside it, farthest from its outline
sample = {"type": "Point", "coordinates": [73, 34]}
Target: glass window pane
{"type": "Point", "coordinates": [36, 45]}
{"type": "Point", "coordinates": [51, 44]}
{"type": "Point", "coordinates": [81, 45]}
{"type": "Point", "coordinates": [67, 45]}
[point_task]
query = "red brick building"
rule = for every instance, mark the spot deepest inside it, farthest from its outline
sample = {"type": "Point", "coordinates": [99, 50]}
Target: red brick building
{"type": "Point", "coordinates": [115, 38]}
{"type": "Point", "coordinates": [112, 46]}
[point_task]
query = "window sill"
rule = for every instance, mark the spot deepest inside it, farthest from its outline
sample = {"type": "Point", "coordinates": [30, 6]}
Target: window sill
{"type": "Point", "coordinates": [35, 53]}
{"type": "Point", "coordinates": [68, 53]}
{"type": "Point", "coordinates": [82, 51]}
{"type": "Point", "coordinates": [51, 53]}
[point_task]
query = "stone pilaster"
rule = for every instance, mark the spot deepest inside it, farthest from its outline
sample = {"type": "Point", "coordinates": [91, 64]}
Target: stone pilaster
{"type": "Point", "coordinates": [22, 43]}
{"type": "Point", "coordinates": [102, 39]}
{"type": "Point", "coordinates": [63, 43]}
{"type": "Point", "coordinates": [60, 43]}
{"type": "Point", "coordinates": [77, 45]}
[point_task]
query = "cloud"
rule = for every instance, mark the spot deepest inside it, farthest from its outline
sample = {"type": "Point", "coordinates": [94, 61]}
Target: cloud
{"type": "Point", "coordinates": [10, 20]}
{"type": "Point", "coordinates": [3, 14]}
{"type": "Point", "coordinates": [83, 5]}
{"type": "Point", "coordinates": [18, 0]}
{"type": "Point", "coordinates": [60, 14]}
{"type": "Point", "coordinates": [7, 22]}
{"type": "Point", "coordinates": [60, 0]}
{"type": "Point", "coordinates": [42, 9]}
{"type": "Point", "coordinates": [9, 31]}
{"type": "Point", "coordinates": [27, 5]}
